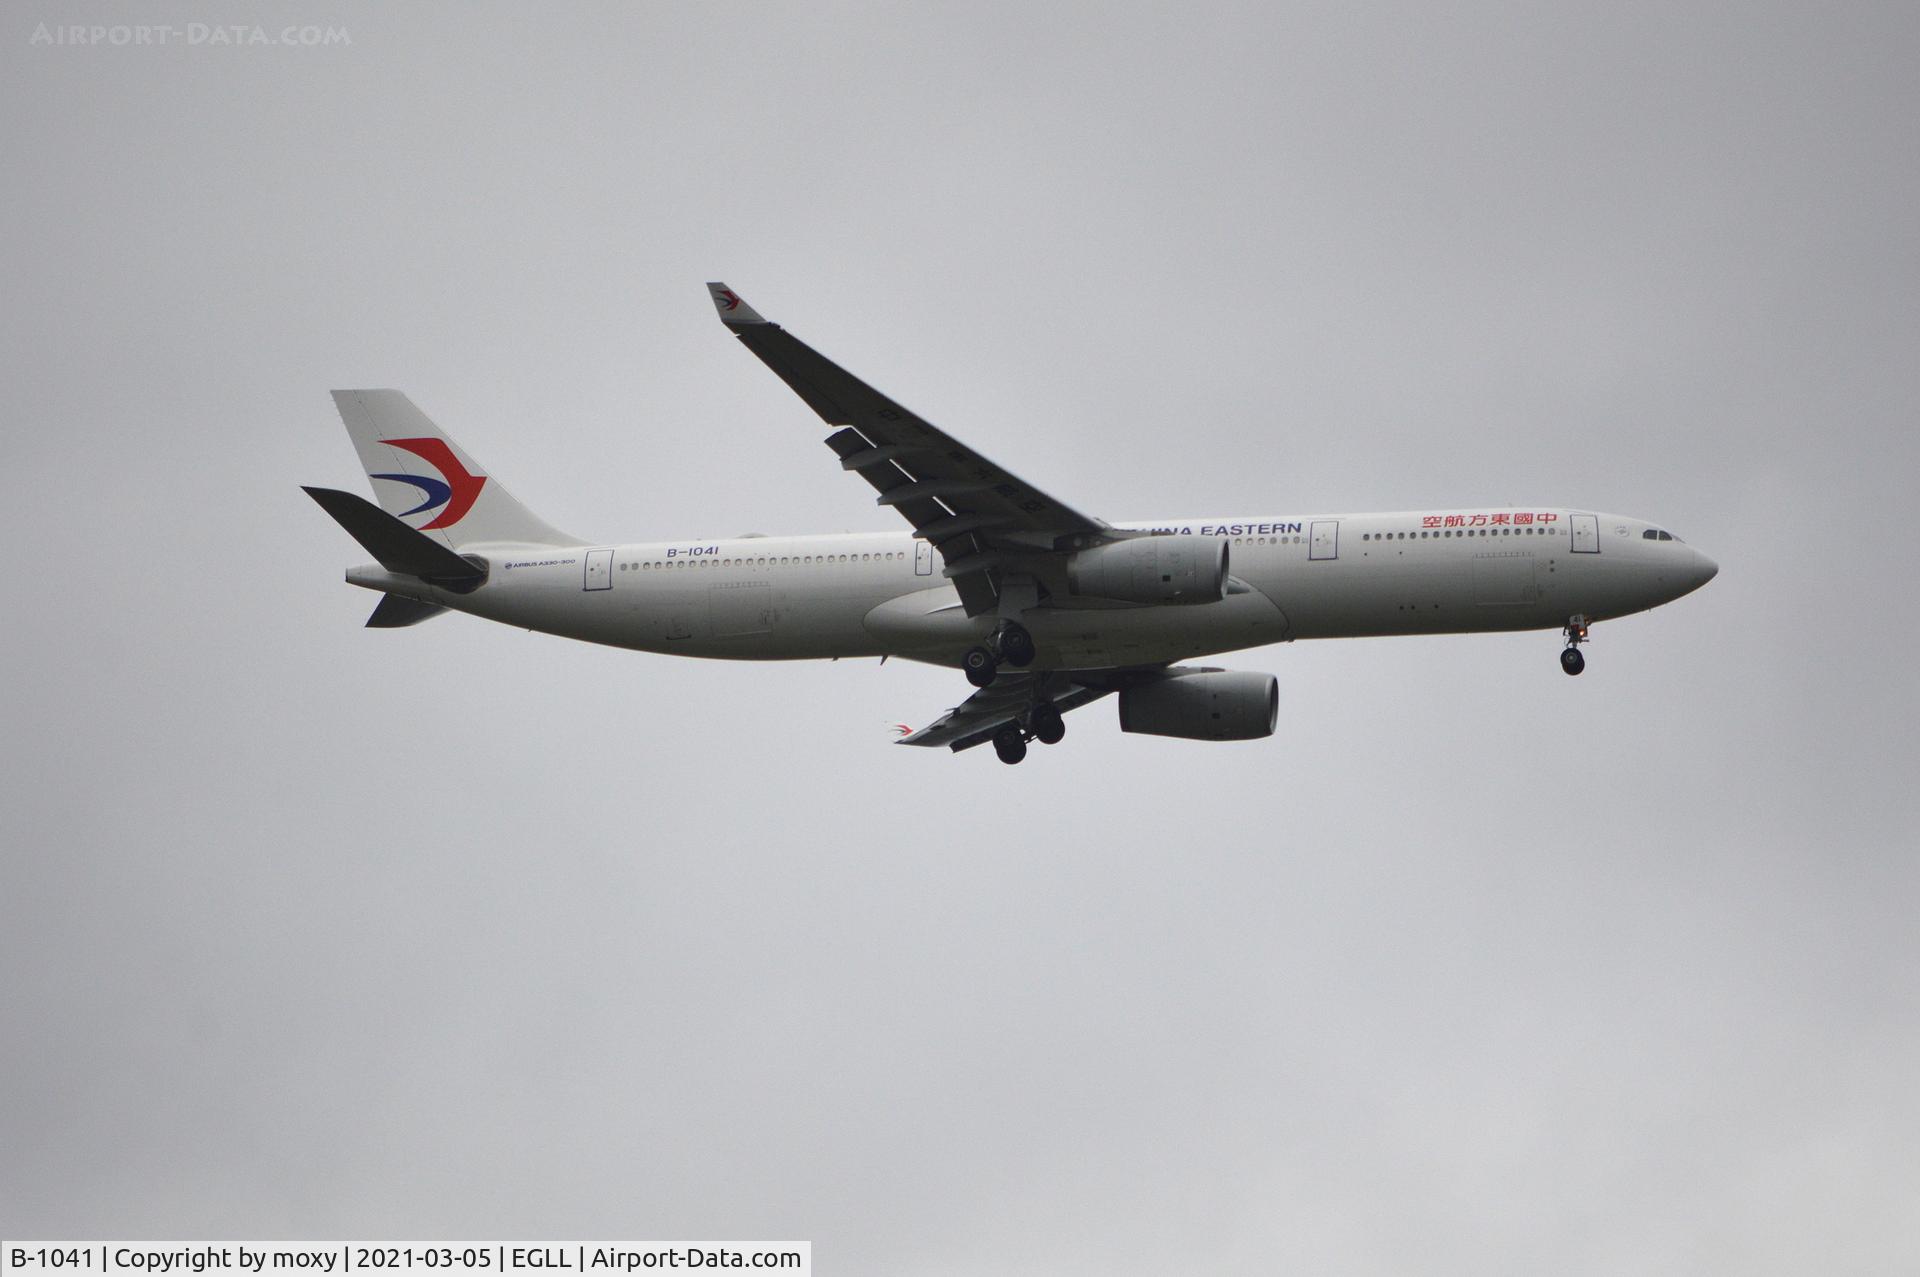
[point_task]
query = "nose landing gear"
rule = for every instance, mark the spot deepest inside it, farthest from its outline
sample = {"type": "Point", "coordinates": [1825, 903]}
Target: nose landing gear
{"type": "Point", "coordinates": [1570, 658]}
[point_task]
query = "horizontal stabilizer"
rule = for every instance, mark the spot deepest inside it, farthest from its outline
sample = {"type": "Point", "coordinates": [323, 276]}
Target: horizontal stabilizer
{"type": "Point", "coordinates": [395, 612]}
{"type": "Point", "coordinates": [397, 547]}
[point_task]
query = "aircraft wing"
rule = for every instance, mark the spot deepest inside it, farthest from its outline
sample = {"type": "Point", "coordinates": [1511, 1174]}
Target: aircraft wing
{"type": "Point", "coordinates": [976, 719]}
{"type": "Point", "coordinates": [984, 521]}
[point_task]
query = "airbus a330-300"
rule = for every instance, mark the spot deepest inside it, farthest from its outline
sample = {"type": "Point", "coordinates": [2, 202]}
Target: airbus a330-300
{"type": "Point", "coordinates": [1044, 608]}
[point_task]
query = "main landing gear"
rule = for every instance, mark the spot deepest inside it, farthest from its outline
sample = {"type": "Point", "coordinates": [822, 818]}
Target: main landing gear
{"type": "Point", "coordinates": [1576, 631]}
{"type": "Point", "coordinates": [1043, 723]}
{"type": "Point", "coordinates": [1010, 643]}
{"type": "Point", "coordinates": [1042, 720]}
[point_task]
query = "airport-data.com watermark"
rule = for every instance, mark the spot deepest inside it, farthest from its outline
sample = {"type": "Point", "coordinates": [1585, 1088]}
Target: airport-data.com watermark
{"type": "Point", "coordinates": [187, 35]}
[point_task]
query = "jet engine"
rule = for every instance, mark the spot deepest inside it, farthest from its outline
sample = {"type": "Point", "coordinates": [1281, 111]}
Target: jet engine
{"type": "Point", "coordinates": [1203, 705]}
{"type": "Point", "coordinates": [1153, 569]}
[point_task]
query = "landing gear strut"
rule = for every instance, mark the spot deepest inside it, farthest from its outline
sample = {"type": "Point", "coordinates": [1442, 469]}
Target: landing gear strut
{"type": "Point", "coordinates": [1010, 643]}
{"type": "Point", "coordinates": [1570, 659]}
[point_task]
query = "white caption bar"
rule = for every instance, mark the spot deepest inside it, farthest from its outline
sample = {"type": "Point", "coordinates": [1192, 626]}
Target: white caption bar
{"type": "Point", "coordinates": [334, 1258]}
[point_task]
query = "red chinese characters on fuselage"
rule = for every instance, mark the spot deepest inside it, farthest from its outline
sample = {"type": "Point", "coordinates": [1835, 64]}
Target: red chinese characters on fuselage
{"type": "Point", "coordinates": [1505, 518]}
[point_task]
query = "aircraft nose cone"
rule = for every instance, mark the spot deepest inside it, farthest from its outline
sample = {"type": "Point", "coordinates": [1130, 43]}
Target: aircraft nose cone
{"type": "Point", "coordinates": [1704, 570]}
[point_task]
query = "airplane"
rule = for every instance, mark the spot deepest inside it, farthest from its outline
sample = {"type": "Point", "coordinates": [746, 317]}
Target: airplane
{"type": "Point", "coordinates": [1045, 609]}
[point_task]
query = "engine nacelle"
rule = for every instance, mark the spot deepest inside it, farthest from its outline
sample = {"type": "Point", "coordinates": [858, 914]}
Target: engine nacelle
{"type": "Point", "coordinates": [1153, 569]}
{"type": "Point", "coordinates": [1205, 705]}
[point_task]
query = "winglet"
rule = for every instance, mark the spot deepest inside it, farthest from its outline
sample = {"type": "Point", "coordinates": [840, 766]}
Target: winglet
{"type": "Point", "coordinates": [734, 312]}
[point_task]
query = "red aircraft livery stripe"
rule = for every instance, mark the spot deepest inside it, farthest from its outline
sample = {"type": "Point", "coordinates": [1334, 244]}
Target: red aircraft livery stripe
{"type": "Point", "coordinates": [464, 488]}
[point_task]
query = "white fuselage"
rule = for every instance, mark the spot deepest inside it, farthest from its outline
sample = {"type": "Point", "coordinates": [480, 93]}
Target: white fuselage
{"type": "Point", "coordinates": [881, 593]}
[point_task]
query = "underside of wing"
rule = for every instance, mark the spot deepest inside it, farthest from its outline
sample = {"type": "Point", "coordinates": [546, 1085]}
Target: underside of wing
{"type": "Point", "coordinates": [986, 522]}
{"type": "Point", "coordinates": [1008, 699]}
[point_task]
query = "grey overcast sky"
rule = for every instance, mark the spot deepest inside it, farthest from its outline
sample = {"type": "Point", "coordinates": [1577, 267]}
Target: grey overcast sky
{"type": "Point", "coordinates": [460, 931]}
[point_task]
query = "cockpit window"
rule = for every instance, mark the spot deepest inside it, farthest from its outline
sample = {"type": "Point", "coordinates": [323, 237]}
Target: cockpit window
{"type": "Point", "coordinates": [1655, 534]}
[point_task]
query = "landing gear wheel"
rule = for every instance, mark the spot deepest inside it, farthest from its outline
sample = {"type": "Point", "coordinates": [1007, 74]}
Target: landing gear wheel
{"type": "Point", "coordinates": [1576, 631]}
{"type": "Point", "coordinates": [1016, 645]}
{"type": "Point", "coordinates": [1046, 724]}
{"type": "Point", "coordinates": [980, 666]}
{"type": "Point", "coordinates": [1010, 744]}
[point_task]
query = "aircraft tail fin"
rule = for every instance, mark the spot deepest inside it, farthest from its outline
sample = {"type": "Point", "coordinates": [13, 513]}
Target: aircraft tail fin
{"type": "Point", "coordinates": [425, 480]}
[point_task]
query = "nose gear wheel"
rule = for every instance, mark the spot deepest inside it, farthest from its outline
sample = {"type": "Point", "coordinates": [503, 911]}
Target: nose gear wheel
{"type": "Point", "coordinates": [1576, 631]}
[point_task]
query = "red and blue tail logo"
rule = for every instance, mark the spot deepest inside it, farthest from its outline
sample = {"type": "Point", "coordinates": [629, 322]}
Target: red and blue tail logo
{"type": "Point", "coordinates": [457, 490]}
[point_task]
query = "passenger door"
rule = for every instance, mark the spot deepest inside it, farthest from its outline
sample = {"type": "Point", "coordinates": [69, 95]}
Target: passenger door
{"type": "Point", "coordinates": [599, 570]}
